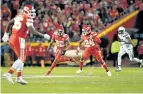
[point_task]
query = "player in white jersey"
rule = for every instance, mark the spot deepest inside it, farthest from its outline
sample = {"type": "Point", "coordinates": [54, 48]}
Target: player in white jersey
{"type": "Point", "coordinates": [126, 47]}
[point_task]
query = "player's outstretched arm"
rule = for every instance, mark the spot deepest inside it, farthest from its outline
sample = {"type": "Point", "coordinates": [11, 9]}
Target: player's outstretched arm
{"type": "Point", "coordinates": [50, 45]}
{"type": "Point", "coordinates": [11, 22]}
{"type": "Point", "coordinates": [6, 35]}
{"type": "Point", "coordinates": [79, 45]}
{"type": "Point", "coordinates": [46, 36]}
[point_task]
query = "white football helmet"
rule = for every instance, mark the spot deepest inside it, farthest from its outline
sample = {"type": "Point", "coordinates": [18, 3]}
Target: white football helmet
{"type": "Point", "coordinates": [121, 30]}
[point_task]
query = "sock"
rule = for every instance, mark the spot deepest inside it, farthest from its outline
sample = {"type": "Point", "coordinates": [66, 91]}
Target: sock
{"type": "Point", "coordinates": [11, 71]}
{"type": "Point", "coordinates": [19, 73]}
{"type": "Point", "coordinates": [105, 66]}
{"type": "Point", "coordinates": [19, 70]}
{"type": "Point", "coordinates": [81, 65]}
{"type": "Point", "coordinates": [119, 61]}
{"type": "Point", "coordinates": [51, 68]}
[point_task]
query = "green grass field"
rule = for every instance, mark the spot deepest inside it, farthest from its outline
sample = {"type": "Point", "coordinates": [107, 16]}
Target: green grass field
{"type": "Point", "coordinates": [65, 80]}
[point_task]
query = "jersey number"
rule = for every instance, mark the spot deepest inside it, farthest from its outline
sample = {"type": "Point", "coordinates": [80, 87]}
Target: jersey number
{"type": "Point", "coordinates": [89, 42]}
{"type": "Point", "coordinates": [17, 23]}
{"type": "Point", "coordinates": [60, 43]}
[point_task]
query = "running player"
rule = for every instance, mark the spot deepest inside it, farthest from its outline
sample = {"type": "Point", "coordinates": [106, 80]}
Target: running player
{"type": "Point", "coordinates": [126, 47]}
{"type": "Point", "coordinates": [62, 44]}
{"type": "Point", "coordinates": [91, 42]}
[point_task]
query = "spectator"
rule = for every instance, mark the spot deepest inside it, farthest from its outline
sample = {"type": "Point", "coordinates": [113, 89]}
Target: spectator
{"type": "Point", "coordinates": [75, 37]}
{"type": "Point", "coordinates": [113, 13]}
{"type": "Point", "coordinates": [29, 53]}
{"type": "Point", "coordinates": [2, 55]}
{"type": "Point", "coordinates": [40, 55]}
{"type": "Point", "coordinates": [6, 54]}
{"type": "Point", "coordinates": [104, 45]}
{"type": "Point", "coordinates": [130, 5]}
{"type": "Point", "coordinates": [6, 12]}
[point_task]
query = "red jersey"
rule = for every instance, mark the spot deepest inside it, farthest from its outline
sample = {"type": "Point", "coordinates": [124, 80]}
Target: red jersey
{"type": "Point", "coordinates": [89, 41]}
{"type": "Point", "coordinates": [60, 41]}
{"type": "Point", "coordinates": [21, 24]}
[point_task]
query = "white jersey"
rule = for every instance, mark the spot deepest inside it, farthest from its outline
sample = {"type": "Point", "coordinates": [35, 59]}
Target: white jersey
{"type": "Point", "coordinates": [124, 38]}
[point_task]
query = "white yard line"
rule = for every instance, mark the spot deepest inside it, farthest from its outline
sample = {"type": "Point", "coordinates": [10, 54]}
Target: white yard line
{"type": "Point", "coordinates": [54, 76]}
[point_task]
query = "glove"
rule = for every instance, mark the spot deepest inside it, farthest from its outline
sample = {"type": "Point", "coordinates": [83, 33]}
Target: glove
{"type": "Point", "coordinates": [46, 36]}
{"type": "Point", "coordinates": [77, 51]}
{"type": "Point", "coordinates": [5, 37]}
{"type": "Point", "coordinates": [62, 52]}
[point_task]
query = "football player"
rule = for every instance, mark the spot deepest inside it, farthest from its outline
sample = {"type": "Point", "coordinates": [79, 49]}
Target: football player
{"type": "Point", "coordinates": [22, 23]}
{"type": "Point", "coordinates": [126, 47]}
{"type": "Point", "coordinates": [91, 42]}
{"type": "Point", "coordinates": [62, 44]}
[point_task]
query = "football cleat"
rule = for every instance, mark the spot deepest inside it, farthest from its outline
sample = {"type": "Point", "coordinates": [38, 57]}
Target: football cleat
{"type": "Point", "coordinates": [9, 77]}
{"type": "Point", "coordinates": [118, 70]}
{"type": "Point", "coordinates": [109, 73]}
{"type": "Point", "coordinates": [79, 71]}
{"type": "Point", "coordinates": [48, 73]}
{"type": "Point", "coordinates": [21, 81]}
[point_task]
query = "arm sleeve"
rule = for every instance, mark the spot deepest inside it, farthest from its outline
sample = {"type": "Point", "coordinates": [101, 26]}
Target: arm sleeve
{"type": "Point", "coordinates": [97, 40]}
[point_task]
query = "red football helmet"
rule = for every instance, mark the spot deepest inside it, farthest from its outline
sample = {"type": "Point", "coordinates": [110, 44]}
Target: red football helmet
{"type": "Point", "coordinates": [86, 29]}
{"type": "Point", "coordinates": [60, 30]}
{"type": "Point", "coordinates": [29, 10]}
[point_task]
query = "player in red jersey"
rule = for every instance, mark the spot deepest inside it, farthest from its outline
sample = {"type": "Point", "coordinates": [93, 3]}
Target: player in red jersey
{"type": "Point", "coordinates": [62, 44]}
{"type": "Point", "coordinates": [91, 42]}
{"type": "Point", "coordinates": [22, 23]}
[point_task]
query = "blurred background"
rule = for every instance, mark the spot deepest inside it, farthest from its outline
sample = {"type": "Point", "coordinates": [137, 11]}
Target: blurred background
{"type": "Point", "coordinates": [102, 15]}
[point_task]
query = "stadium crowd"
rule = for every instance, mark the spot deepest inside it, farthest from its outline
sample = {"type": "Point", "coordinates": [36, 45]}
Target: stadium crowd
{"type": "Point", "coordinates": [71, 14]}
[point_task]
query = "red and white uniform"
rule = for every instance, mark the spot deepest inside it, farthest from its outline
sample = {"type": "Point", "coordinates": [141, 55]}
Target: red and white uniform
{"type": "Point", "coordinates": [61, 45]}
{"type": "Point", "coordinates": [19, 33]}
{"type": "Point", "coordinates": [92, 46]}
